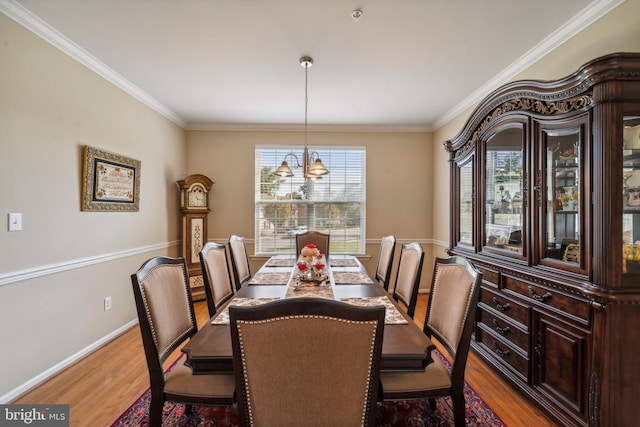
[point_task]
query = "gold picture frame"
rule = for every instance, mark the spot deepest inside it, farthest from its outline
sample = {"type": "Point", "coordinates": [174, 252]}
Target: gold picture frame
{"type": "Point", "coordinates": [110, 182]}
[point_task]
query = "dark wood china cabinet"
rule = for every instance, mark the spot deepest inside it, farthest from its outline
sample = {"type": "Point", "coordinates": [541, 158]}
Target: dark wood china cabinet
{"type": "Point", "coordinates": [545, 201]}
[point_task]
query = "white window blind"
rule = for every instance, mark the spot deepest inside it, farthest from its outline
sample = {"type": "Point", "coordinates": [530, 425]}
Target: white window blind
{"type": "Point", "coordinates": [334, 204]}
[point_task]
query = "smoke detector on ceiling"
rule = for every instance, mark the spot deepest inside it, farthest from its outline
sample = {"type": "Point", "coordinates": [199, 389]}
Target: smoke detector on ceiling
{"type": "Point", "coordinates": [356, 14]}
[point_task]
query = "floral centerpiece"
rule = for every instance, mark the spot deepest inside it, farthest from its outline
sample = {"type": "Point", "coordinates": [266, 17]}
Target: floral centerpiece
{"type": "Point", "coordinates": [309, 252]}
{"type": "Point", "coordinates": [311, 265]}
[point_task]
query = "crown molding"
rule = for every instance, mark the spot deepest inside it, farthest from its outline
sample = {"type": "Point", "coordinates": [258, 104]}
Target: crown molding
{"type": "Point", "coordinates": [40, 28]}
{"type": "Point", "coordinates": [36, 25]}
{"type": "Point", "coordinates": [264, 127]}
{"type": "Point", "coordinates": [572, 27]}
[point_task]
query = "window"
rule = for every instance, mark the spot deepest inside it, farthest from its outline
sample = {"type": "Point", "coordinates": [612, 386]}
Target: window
{"type": "Point", "coordinates": [334, 204]}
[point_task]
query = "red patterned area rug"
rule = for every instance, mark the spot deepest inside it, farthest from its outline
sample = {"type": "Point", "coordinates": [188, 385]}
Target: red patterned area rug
{"type": "Point", "coordinates": [409, 413]}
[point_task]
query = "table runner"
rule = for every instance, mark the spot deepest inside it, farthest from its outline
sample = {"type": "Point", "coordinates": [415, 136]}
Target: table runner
{"type": "Point", "coordinates": [310, 291]}
{"type": "Point", "coordinates": [351, 277]}
{"type": "Point", "coordinates": [223, 317]}
{"type": "Point", "coordinates": [270, 278]}
{"type": "Point", "coordinates": [391, 315]}
{"type": "Point", "coordinates": [298, 288]}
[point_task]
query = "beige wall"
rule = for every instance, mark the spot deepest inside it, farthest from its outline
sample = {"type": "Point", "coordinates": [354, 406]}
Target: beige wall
{"type": "Point", "coordinates": [55, 273]}
{"type": "Point", "coordinates": [399, 180]}
{"type": "Point", "coordinates": [618, 31]}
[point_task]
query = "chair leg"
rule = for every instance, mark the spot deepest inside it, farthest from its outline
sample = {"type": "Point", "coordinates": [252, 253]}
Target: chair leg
{"type": "Point", "coordinates": [155, 411]}
{"type": "Point", "coordinates": [432, 403]}
{"type": "Point", "coordinates": [459, 412]}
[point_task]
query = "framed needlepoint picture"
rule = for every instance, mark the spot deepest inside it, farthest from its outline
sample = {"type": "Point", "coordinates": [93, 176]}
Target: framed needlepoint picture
{"type": "Point", "coordinates": [110, 182]}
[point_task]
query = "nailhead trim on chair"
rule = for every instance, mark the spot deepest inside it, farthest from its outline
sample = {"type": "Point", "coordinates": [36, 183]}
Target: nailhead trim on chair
{"type": "Point", "coordinates": [471, 279]}
{"type": "Point", "coordinates": [148, 312]}
{"type": "Point", "coordinates": [314, 316]}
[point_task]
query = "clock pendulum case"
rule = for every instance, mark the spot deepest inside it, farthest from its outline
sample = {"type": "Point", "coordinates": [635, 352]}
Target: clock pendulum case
{"type": "Point", "coordinates": [194, 206]}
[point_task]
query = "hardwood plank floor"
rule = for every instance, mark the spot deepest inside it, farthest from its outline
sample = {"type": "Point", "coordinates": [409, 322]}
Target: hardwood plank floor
{"type": "Point", "coordinates": [104, 384]}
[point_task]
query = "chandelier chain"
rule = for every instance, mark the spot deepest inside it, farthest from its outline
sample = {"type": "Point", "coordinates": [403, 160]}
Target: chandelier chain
{"type": "Point", "coordinates": [312, 167]}
{"type": "Point", "coordinates": [306, 101]}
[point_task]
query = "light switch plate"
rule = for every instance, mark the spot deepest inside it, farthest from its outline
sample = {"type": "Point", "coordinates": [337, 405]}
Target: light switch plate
{"type": "Point", "coordinates": [15, 222]}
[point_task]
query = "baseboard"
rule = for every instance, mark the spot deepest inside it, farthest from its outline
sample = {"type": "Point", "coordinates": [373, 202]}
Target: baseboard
{"type": "Point", "coordinates": [49, 373]}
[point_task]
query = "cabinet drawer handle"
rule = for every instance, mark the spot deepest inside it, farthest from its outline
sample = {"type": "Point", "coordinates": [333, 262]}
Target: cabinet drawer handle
{"type": "Point", "coordinates": [501, 353]}
{"type": "Point", "coordinates": [504, 330]}
{"type": "Point", "coordinates": [541, 298]}
{"type": "Point", "coordinates": [500, 306]}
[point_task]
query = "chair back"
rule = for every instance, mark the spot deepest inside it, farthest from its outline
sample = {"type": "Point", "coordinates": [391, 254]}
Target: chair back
{"type": "Point", "coordinates": [215, 273]}
{"type": "Point", "coordinates": [239, 260]}
{"type": "Point", "coordinates": [165, 310]}
{"type": "Point", "coordinates": [321, 240]}
{"type": "Point", "coordinates": [455, 290]}
{"type": "Point", "coordinates": [385, 260]}
{"type": "Point", "coordinates": [307, 361]}
{"type": "Point", "coordinates": [408, 276]}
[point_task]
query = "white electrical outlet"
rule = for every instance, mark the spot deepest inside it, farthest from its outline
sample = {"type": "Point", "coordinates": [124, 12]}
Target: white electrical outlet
{"type": "Point", "coordinates": [107, 304]}
{"type": "Point", "coordinates": [15, 222]}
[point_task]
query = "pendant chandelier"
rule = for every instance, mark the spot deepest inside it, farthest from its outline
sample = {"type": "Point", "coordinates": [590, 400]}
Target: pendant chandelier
{"type": "Point", "coordinates": [312, 166]}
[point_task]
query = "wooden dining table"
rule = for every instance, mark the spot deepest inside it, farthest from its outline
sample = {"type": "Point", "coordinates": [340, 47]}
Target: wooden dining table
{"type": "Point", "coordinates": [405, 347]}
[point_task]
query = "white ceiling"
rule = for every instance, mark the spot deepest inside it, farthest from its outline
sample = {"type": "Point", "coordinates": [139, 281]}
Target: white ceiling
{"type": "Point", "coordinates": [234, 64]}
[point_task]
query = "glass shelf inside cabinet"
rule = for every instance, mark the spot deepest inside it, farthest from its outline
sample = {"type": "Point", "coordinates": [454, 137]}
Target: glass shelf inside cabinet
{"type": "Point", "coordinates": [631, 195]}
{"type": "Point", "coordinates": [504, 190]}
{"type": "Point", "coordinates": [562, 165]}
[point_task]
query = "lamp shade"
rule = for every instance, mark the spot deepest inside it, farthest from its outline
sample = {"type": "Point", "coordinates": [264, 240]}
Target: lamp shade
{"type": "Point", "coordinates": [284, 170]}
{"type": "Point", "coordinates": [318, 168]}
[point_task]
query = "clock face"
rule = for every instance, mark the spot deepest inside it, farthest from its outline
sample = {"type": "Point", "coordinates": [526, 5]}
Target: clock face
{"type": "Point", "coordinates": [197, 198]}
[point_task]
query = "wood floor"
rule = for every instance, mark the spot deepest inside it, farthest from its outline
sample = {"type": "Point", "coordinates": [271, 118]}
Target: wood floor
{"type": "Point", "coordinates": [104, 384]}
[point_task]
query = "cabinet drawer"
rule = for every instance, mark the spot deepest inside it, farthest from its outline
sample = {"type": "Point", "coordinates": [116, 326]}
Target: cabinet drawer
{"type": "Point", "coordinates": [562, 303]}
{"type": "Point", "coordinates": [507, 306]}
{"type": "Point", "coordinates": [500, 326]}
{"type": "Point", "coordinates": [490, 276]}
{"type": "Point", "coordinates": [503, 352]}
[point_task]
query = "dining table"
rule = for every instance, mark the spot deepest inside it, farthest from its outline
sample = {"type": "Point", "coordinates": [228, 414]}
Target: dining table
{"type": "Point", "coordinates": [404, 347]}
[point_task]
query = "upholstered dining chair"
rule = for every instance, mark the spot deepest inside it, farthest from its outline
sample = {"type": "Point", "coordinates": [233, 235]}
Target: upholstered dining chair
{"type": "Point", "coordinates": [408, 276]}
{"type": "Point", "coordinates": [167, 319]}
{"type": "Point", "coordinates": [239, 261]}
{"type": "Point", "coordinates": [385, 260]}
{"type": "Point", "coordinates": [216, 275]}
{"type": "Point", "coordinates": [307, 362]}
{"type": "Point", "coordinates": [455, 289]}
{"type": "Point", "coordinates": [321, 240]}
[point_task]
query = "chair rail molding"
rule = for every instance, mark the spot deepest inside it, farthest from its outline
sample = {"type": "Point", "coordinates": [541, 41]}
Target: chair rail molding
{"type": "Point", "coordinates": [45, 270]}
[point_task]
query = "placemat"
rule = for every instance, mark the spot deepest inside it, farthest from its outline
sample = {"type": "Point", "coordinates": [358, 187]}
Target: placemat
{"type": "Point", "coordinates": [268, 278]}
{"type": "Point", "coordinates": [223, 317]}
{"type": "Point", "coordinates": [343, 262]}
{"type": "Point", "coordinates": [391, 315]}
{"type": "Point", "coordinates": [353, 278]}
{"type": "Point", "coordinates": [280, 262]}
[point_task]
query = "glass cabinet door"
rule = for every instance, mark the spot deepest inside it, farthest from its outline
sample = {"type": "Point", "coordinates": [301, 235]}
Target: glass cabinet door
{"type": "Point", "coordinates": [504, 191]}
{"type": "Point", "coordinates": [561, 198]}
{"type": "Point", "coordinates": [466, 202]}
{"type": "Point", "coordinates": [631, 195]}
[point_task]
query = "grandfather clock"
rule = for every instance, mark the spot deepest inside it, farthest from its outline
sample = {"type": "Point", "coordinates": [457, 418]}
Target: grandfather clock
{"type": "Point", "coordinates": [194, 205]}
